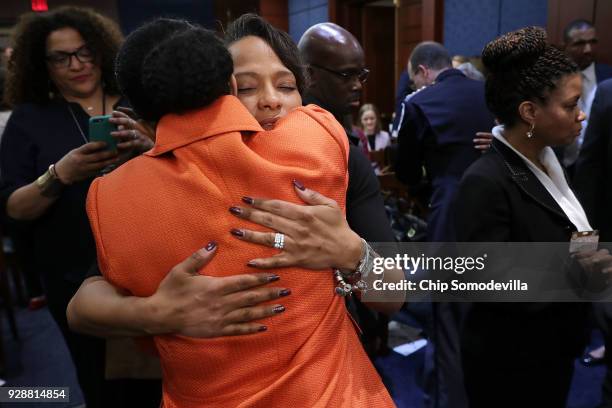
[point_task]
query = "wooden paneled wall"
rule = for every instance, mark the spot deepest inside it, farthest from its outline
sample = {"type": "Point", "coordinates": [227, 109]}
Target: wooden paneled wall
{"type": "Point", "coordinates": [377, 32]}
{"type": "Point", "coordinates": [276, 12]}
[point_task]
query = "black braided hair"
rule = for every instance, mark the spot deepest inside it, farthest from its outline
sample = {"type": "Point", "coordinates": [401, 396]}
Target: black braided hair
{"type": "Point", "coordinates": [521, 66]}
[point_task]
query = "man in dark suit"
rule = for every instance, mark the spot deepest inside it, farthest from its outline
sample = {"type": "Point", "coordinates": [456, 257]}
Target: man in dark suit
{"type": "Point", "coordinates": [580, 44]}
{"type": "Point", "coordinates": [437, 129]}
{"type": "Point", "coordinates": [437, 126]}
{"type": "Point", "coordinates": [595, 163]}
{"type": "Point", "coordinates": [592, 184]}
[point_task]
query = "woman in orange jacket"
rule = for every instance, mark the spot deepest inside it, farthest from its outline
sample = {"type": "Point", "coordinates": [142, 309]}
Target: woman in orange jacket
{"type": "Point", "coordinates": [209, 151]}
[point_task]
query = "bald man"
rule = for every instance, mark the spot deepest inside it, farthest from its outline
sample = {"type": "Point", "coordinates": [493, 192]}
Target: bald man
{"type": "Point", "coordinates": [337, 71]}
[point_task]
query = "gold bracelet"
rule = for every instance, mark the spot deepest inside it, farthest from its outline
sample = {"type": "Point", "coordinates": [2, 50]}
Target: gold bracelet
{"type": "Point", "coordinates": [49, 184]}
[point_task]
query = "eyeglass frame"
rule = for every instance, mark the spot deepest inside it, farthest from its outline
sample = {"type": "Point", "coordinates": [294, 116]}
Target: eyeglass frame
{"type": "Point", "coordinates": [69, 55]}
{"type": "Point", "coordinates": [345, 75]}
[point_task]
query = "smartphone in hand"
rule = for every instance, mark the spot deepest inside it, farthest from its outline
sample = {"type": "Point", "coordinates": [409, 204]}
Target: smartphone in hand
{"type": "Point", "coordinates": [100, 131]}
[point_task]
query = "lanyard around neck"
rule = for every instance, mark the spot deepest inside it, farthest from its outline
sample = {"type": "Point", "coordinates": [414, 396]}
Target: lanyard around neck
{"type": "Point", "coordinates": [76, 122]}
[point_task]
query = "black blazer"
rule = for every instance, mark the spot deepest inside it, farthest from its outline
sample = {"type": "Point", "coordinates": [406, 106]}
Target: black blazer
{"type": "Point", "coordinates": [602, 72]}
{"type": "Point", "coordinates": [499, 199]}
{"type": "Point", "coordinates": [594, 165]}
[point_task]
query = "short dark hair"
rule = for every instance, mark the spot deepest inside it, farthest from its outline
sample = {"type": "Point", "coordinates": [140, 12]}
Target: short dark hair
{"type": "Point", "coordinates": [28, 77]}
{"type": "Point", "coordinates": [430, 54]}
{"type": "Point", "coordinates": [281, 43]}
{"type": "Point", "coordinates": [182, 67]}
{"type": "Point", "coordinates": [139, 43]}
{"type": "Point", "coordinates": [574, 25]}
{"type": "Point", "coordinates": [522, 66]}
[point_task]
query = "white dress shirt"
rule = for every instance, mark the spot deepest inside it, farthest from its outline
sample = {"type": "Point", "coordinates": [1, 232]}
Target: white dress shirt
{"type": "Point", "coordinates": [589, 86]}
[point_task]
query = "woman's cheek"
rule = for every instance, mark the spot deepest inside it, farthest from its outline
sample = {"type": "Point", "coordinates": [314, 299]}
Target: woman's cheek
{"type": "Point", "coordinates": [250, 103]}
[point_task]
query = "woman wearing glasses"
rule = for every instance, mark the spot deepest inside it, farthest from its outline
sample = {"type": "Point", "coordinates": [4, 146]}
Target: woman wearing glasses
{"type": "Point", "coordinates": [61, 74]}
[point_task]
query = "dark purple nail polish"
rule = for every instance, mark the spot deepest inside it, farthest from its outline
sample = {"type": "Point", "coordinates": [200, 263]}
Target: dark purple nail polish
{"type": "Point", "coordinates": [251, 264]}
{"type": "Point", "coordinates": [299, 185]}
{"type": "Point", "coordinates": [237, 232]}
{"type": "Point", "coordinates": [235, 210]}
{"type": "Point", "coordinates": [262, 328]}
{"type": "Point", "coordinates": [278, 309]}
{"type": "Point", "coordinates": [248, 200]}
{"type": "Point", "coordinates": [284, 292]}
{"type": "Point", "coordinates": [211, 245]}
{"type": "Point", "coordinates": [273, 278]}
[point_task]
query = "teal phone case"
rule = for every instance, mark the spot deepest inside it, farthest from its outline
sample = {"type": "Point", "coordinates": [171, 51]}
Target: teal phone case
{"type": "Point", "coordinates": [100, 131]}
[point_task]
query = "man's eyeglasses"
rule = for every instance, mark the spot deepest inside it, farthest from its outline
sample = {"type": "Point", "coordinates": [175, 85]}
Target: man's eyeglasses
{"type": "Point", "coordinates": [61, 59]}
{"type": "Point", "coordinates": [361, 74]}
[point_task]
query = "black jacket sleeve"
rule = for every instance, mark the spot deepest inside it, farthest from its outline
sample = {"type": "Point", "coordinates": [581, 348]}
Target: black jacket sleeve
{"type": "Point", "coordinates": [17, 157]}
{"type": "Point", "coordinates": [365, 210]}
{"type": "Point", "coordinates": [409, 163]}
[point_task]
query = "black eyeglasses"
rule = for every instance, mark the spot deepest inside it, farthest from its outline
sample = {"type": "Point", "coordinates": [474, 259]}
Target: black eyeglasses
{"type": "Point", "coordinates": [61, 59]}
{"type": "Point", "coordinates": [361, 74]}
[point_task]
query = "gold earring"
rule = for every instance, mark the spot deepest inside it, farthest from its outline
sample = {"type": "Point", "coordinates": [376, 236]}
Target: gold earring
{"type": "Point", "coordinates": [530, 131]}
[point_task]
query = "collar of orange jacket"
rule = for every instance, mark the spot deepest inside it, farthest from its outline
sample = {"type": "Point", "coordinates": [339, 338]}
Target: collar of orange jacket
{"type": "Point", "coordinates": [224, 115]}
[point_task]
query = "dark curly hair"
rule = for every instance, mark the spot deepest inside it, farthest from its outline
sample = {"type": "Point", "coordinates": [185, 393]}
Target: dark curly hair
{"type": "Point", "coordinates": [522, 66]}
{"type": "Point", "coordinates": [28, 78]}
{"type": "Point", "coordinates": [128, 65]}
{"type": "Point", "coordinates": [172, 66]}
{"type": "Point", "coordinates": [281, 43]}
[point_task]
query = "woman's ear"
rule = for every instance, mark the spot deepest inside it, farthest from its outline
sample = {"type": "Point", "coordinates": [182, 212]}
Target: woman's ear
{"type": "Point", "coordinates": [233, 85]}
{"type": "Point", "coordinates": [528, 111]}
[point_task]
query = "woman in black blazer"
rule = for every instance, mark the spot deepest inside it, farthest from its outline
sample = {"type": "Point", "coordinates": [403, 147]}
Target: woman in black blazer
{"type": "Point", "coordinates": [521, 355]}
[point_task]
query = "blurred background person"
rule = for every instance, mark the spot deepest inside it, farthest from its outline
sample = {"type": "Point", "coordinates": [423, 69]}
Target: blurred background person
{"type": "Point", "coordinates": [464, 65]}
{"type": "Point", "coordinates": [580, 44]}
{"type": "Point", "coordinates": [373, 138]}
{"type": "Point", "coordinates": [437, 129]}
{"type": "Point", "coordinates": [59, 75]}
{"type": "Point", "coordinates": [369, 120]}
{"type": "Point", "coordinates": [592, 182]}
{"type": "Point", "coordinates": [436, 143]}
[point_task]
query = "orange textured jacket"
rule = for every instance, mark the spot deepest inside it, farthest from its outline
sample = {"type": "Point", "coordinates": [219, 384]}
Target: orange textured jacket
{"type": "Point", "coordinates": [157, 209]}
